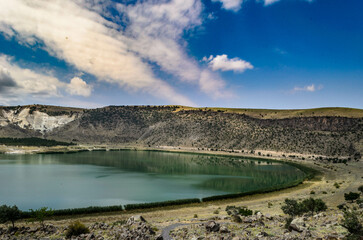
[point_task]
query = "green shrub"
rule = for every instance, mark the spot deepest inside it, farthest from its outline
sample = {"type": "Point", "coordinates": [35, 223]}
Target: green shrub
{"type": "Point", "coordinates": [351, 196]}
{"type": "Point", "coordinates": [324, 192]}
{"type": "Point", "coordinates": [9, 214]}
{"type": "Point", "coordinates": [352, 224]}
{"type": "Point", "coordinates": [40, 214]}
{"type": "Point", "coordinates": [216, 212]}
{"type": "Point", "coordinates": [312, 192]}
{"type": "Point", "coordinates": [269, 204]}
{"type": "Point", "coordinates": [314, 205]}
{"type": "Point", "coordinates": [75, 229]}
{"type": "Point", "coordinates": [244, 211]}
{"type": "Point", "coordinates": [195, 216]}
{"type": "Point", "coordinates": [292, 207]}
{"type": "Point", "coordinates": [336, 185]}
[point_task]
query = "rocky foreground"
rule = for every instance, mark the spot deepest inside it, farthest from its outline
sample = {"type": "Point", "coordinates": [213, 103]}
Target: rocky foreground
{"type": "Point", "coordinates": [325, 225]}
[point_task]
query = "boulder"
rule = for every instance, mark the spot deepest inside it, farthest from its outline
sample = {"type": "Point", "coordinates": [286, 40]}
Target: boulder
{"type": "Point", "coordinates": [298, 224]}
{"type": "Point", "coordinates": [135, 219]}
{"type": "Point", "coordinates": [212, 226]}
{"type": "Point", "coordinates": [223, 229]}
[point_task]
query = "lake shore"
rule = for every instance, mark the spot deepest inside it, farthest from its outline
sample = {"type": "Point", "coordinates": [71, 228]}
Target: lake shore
{"type": "Point", "coordinates": [348, 176]}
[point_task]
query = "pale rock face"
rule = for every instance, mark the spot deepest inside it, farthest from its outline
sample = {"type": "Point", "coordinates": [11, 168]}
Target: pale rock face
{"type": "Point", "coordinates": [36, 120]}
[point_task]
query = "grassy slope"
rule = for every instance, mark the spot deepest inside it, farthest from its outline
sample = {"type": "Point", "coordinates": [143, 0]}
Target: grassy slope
{"type": "Point", "coordinates": [280, 114]}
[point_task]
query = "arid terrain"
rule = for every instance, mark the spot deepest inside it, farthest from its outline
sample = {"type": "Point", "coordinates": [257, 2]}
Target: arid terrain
{"type": "Point", "coordinates": [328, 140]}
{"type": "Point", "coordinates": [191, 221]}
{"type": "Point", "coordinates": [332, 132]}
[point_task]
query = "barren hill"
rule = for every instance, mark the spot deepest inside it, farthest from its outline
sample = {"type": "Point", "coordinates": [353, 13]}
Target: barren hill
{"type": "Point", "coordinates": [323, 131]}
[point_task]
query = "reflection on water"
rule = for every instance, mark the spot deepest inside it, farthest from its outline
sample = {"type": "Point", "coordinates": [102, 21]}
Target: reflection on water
{"type": "Point", "coordinates": [121, 177]}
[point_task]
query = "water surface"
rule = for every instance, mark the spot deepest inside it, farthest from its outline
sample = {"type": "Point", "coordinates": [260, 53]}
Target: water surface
{"type": "Point", "coordinates": [122, 177]}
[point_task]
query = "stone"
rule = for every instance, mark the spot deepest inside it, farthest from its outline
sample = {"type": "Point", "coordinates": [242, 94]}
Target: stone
{"type": "Point", "coordinates": [135, 219]}
{"type": "Point", "coordinates": [298, 224]}
{"type": "Point", "coordinates": [223, 229]}
{"type": "Point", "coordinates": [212, 226]}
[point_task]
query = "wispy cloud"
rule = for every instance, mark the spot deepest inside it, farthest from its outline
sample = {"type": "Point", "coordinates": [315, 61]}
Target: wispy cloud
{"type": "Point", "coordinates": [233, 5]}
{"type": "Point", "coordinates": [309, 88]}
{"type": "Point", "coordinates": [223, 63]}
{"type": "Point", "coordinates": [236, 5]}
{"type": "Point", "coordinates": [122, 51]}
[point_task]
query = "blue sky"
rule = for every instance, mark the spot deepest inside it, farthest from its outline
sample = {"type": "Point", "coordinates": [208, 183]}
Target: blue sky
{"type": "Point", "coordinates": [228, 53]}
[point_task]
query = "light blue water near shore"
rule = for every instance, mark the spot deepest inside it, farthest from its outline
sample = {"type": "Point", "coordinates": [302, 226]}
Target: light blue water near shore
{"type": "Point", "coordinates": [121, 177]}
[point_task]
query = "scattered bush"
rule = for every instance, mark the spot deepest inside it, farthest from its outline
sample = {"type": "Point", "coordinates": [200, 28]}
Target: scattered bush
{"type": "Point", "coordinates": [269, 204]}
{"type": "Point", "coordinates": [351, 196]}
{"type": "Point", "coordinates": [314, 205]}
{"type": "Point", "coordinates": [312, 192]}
{"type": "Point", "coordinates": [195, 216]}
{"type": "Point", "coordinates": [75, 229]}
{"type": "Point", "coordinates": [324, 192]}
{"type": "Point", "coordinates": [336, 185]}
{"type": "Point", "coordinates": [32, 142]}
{"type": "Point", "coordinates": [9, 214]}
{"type": "Point", "coordinates": [161, 204]}
{"type": "Point", "coordinates": [216, 212]}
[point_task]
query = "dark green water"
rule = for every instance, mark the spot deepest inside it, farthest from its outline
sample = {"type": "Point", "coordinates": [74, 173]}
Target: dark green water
{"type": "Point", "coordinates": [122, 177]}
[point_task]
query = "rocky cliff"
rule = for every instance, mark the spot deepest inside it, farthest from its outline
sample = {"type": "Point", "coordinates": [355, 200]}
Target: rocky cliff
{"type": "Point", "coordinates": [331, 132]}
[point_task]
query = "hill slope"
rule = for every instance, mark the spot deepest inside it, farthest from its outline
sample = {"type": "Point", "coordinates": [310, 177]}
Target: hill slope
{"type": "Point", "coordinates": [325, 131]}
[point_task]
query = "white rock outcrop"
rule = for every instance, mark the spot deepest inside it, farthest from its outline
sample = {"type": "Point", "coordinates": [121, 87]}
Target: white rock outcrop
{"type": "Point", "coordinates": [36, 120]}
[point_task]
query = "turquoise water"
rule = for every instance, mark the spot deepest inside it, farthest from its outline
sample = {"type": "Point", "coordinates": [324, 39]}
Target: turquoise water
{"type": "Point", "coordinates": [122, 177]}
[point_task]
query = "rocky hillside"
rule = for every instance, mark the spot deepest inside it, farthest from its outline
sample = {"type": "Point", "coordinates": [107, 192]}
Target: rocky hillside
{"type": "Point", "coordinates": [326, 131]}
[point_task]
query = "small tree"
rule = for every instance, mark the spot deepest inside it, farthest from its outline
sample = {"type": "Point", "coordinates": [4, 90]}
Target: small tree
{"type": "Point", "coordinates": [9, 214]}
{"type": "Point", "coordinates": [41, 214]}
{"type": "Point", "coordinates": [292, 207]}
{"type": "Point", "coordinates": [352, 224]}
{"type": "Point", "coordinates": [351, 196]}
{"type": "Point", "coordinates": [314, 205]}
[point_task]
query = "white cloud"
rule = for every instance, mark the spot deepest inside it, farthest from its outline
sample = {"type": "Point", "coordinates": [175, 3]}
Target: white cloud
{"type": "Point", "coordinates": [79, 87]}
{"type": "Point", "coordinates": [223, 63]}
{"type": "Point", "coordinates": [268, 2]}
{"type": "Point", "coordinates": [77, 32]}
{"type": "Point", "coordinates": [309, 88]}
{"type": "Point", "coordinates": [17, 83]}
{"type": "Point", "coordinates": [233, 5]}
{"type": "Point", "coordinates": [29, 82]}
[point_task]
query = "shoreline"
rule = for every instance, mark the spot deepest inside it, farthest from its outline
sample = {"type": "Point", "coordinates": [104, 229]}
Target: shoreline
{"type": "Point", "coordinates": [310, 173]}
{"type": "Point", "coordinates": [349, 176]}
